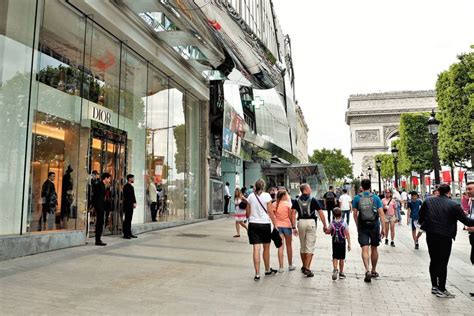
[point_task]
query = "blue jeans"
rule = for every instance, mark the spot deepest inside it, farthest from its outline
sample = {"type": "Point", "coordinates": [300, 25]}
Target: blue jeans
{"type": "Point", "coordinates": [399, 215]}
{"type": "Point", "coordinates": [346, 215]}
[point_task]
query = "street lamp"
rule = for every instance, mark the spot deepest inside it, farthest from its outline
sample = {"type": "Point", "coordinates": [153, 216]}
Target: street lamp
{"type": "Point", "coordinates": [362, 175]}
{"type": "Point", "coordinates": [433, 125]}
{"type": "Point", "coordinates": [369, 171]}
{"type": "Point", "coordinates": [395, 162]}
{"type": "Point", "coordinates": [378, 166]}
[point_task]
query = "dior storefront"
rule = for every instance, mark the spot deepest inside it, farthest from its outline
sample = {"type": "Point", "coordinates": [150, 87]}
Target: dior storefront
{"type": "Point", "coordinates": [76, 97]}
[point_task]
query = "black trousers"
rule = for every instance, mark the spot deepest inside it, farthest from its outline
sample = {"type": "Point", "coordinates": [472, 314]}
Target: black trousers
{"type": "Point", "coordinates": [153, 209]}
{"type": "Point", "coordinates": [127, 223]}
{"type": "Point", "coordinates": [471, 240]}
{"type": "Point", "coordinates": [99, 224]}
{"type": "Point", "coordinates": [226, 204]}
{"type": "Point", "coordinates": [439, 248]}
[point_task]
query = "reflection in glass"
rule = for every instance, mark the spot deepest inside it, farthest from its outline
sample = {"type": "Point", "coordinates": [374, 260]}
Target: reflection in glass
{"type": "Point", "coordinates": [157, 131]}
{"type": "Point", "coordinates": [193, 154]}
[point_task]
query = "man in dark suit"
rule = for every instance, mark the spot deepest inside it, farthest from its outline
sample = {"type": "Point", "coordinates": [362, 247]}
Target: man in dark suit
{"type": "Point", "coordinates": [99, 206]}
{"type": "Point", "coordinates": [129, 203]}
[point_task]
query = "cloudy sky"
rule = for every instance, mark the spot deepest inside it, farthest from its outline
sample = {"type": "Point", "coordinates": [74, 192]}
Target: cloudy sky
{"type": "Point", "coordinates": [343, 47]}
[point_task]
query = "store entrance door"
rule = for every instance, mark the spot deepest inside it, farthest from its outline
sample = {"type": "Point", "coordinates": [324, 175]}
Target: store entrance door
{"type": "Point", "coordinates": [108, 152]}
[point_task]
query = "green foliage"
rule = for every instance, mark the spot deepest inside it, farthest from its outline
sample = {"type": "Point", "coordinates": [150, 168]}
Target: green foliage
{"type": "Point", "coordinates": [336, 165]}
{"type": "Point", "coordinates": [455, 97]}
{"type": "Point", "coordinates": [179, 133]}
{"type": "Point", "coordinates": [387, 171]}
{"type": "Point", "coordinates": [415, 148]}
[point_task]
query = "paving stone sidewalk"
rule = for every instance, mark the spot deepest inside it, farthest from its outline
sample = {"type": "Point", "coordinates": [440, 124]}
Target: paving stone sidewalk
{"type": "Point", "coordinates": [200, 269]}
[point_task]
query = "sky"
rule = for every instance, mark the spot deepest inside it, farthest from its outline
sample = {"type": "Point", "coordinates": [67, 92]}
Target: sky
{"type": "Point", "coordinates": [344, 47]}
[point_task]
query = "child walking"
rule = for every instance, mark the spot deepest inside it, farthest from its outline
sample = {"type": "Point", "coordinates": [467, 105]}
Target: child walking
{"type": "Point", "coordinates": [339, 232]}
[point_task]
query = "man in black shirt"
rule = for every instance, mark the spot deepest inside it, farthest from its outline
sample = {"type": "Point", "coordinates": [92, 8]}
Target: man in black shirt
{"type": "Point", "coordinates": [98, 201]}
{"type": "Point", "coordinates": [330, 201]}
{"type": "Point", "coordinates": [49, 199]}
{"type": "Point", "coordinates": [306, 207]}
{"type": "Point", "coordinates": [438, 218]}
{"type": "Point", "coordinates": [129, 203]}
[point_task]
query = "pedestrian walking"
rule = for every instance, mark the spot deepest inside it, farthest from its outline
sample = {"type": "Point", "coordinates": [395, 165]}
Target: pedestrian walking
{"type": "Point", "coordinates": [470, 194]}
{"type": "Point", "coordinates": [389, 208]}
{"type": "Point", "coordinates": [99, 200]}
{"type": "Point", "coordinates": [339, 231]}
{"type": "Point", "coordinates": [285, 220]}
{"type": "Point", "coordinates": [306, 208]}
{"type": "Point", "coordinates": [413, 209]}
{"type": "Point", "coordinates": [129, 204]}
{"type": "Point", "coordinates": [260, 215]}
{"type": "Point", "coordinates": [329, 201]}
{"type": "Point", "coordinates": [404, 199]}
{"type": "Point", "coordinates": [227, 198]}
{"type": "Point", "coordinates": [438, 218]}
{"type": "Point", "coordinates": [240, 206]}
{"type": "Point", "coordinates": [49, 200]}
{"type": "Point", "coordinates": [345, 204]}
{"type": "Point", "coordinates": [368, 214]}
{"type": "Point", "coordinates": [153, 198]}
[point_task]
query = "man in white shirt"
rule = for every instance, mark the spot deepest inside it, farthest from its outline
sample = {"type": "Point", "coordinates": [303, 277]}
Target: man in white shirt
{"type": "Point", "coordinates": [404, 199]}
{"type": "Point", "coordinates": [345, 205]}
{"type": "Point", "coordinates": [226, 198]}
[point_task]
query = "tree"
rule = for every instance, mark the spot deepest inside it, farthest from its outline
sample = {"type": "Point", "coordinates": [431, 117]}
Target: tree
{"type": "Point", "coordinates": [386, 170]}
{"type": "Point", "coordinates": [415, 146]}
{"type": "Point", "coordinates": [336, 165]}
{"type": "Point", "coordinates": [455, 97]}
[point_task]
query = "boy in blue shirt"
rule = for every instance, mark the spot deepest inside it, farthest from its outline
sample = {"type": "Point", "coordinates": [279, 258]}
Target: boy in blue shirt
{"type": "Point", "coordinates": [413, 207]}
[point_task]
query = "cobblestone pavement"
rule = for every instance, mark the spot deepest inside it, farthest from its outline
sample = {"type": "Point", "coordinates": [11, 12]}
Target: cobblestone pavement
{"type": "Point", "coordinates": [200, 269]}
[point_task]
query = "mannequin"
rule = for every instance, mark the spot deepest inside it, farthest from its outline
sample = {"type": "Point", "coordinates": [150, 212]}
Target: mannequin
{"type": "Point", "coordinates": [67, 197]}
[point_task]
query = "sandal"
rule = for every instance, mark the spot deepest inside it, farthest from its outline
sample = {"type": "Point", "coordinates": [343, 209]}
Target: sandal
{"type": "Point", "coordinates": [272, 271]}
{"type": "Point", "coordinates": [368, 277]}
{"type": "Point", "coordinates": [374, 274]}
{"type": "Point", "coordinates": [236, 236]}
{"type": "Point", "coordinates": [256, 278]}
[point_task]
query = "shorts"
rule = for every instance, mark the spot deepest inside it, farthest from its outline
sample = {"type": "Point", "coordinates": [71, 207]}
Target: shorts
{"type": "Point", "coordinates": [369, 236]}
{"type": "Point", "coordinates": [307, 233]}
{"type": "Point", "coordinates": [285, 231]}
{"type": "Point", "coordinates": [414, 224]}
{"type": "Point", "coordinates": [339, 250]}
{"type": "Point", "coordinates": [390, 218]}
{"type": "Point", "coordinates": [259, 233]}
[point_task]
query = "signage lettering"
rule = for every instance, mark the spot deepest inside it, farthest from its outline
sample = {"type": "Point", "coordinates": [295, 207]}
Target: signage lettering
{"type": "Point", "coordinates": [101, 116]}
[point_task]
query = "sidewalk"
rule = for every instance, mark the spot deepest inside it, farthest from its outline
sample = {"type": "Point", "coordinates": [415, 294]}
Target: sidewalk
{"type": "Point", "coordinates": [200, 269]}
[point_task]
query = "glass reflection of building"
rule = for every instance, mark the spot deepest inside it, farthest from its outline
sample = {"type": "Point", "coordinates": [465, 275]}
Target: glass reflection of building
{"type": "Point", "coordinates": [72, 94]}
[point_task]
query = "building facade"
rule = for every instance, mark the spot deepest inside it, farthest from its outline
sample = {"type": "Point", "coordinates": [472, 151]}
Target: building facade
{"type": "Point", "coordinates": [302, 133]}
{"type": "Point", "coordinates": [150, 88]}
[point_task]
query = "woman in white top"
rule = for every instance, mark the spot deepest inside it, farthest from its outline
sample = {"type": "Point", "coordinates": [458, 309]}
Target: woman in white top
{"type": "Point", "coordinates": [260, 215]}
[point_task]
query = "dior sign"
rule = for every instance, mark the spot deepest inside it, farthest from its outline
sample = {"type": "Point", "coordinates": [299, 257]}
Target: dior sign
{"type": "Point", "coordinates": [101, 115]}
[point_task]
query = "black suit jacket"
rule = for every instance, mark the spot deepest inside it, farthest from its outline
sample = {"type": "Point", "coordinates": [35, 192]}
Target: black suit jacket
{"type": "Point", "coordinates": [128, 197]}
{"type": "Point", "coordinates": [98, 197]}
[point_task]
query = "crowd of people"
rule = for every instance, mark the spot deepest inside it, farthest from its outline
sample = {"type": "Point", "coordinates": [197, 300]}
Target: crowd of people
{"type": "Point", "coordinates": [274, 216]}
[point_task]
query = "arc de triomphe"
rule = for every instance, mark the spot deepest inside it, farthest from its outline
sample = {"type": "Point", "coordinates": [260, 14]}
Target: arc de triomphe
{"type": "Point", "coordinates": [374, 119]}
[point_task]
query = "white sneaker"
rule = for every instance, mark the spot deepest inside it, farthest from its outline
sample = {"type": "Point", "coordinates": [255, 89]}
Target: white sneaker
{"type": "Point", "coordinates": [445, 294]}
{"type": "Point", "coordinates": [281, 270]}
{"type": "Point", "coordinates": [291, 268]}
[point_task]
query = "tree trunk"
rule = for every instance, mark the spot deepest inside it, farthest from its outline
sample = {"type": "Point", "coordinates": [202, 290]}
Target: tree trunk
{"type": "Point", "coordinates": [422, 184]}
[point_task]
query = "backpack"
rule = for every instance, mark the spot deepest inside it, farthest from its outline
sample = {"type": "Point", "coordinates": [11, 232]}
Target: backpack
{"type": "Point", "coordinates": [338, 232]}
{"type": "Point", "coordinates": [330, 196]}
{"type": "Point", "coordinates": [367, 209]}
{"type": "Point", "coordinates": [304, 207]}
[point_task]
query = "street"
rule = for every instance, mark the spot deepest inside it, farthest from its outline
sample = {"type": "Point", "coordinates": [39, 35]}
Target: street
{"type": "Point", "coordinates": [201, 269]}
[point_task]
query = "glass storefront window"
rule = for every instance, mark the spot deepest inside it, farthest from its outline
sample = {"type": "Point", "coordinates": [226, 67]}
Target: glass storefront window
{"type": "Point", "coordinates": [176, 153]}
{"type": "Point", "coordinates": [157, 131]}
{"type": "Point", "coordinates": [17, 28]}
{"type": "Point", "coordinates": [193, 154]}
{"type": "Point", "coordinates": [56, 122]}
{"type": "Point", "coordinates": [132, 107]}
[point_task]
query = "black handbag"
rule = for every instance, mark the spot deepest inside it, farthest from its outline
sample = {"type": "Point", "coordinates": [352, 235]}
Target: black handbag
{"type": "Point", "coordinates": [275, 235]}
{"type": "Point", "coordinates": [243, 205]}
{"type": "Point", "coordinates": [276, 238]}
